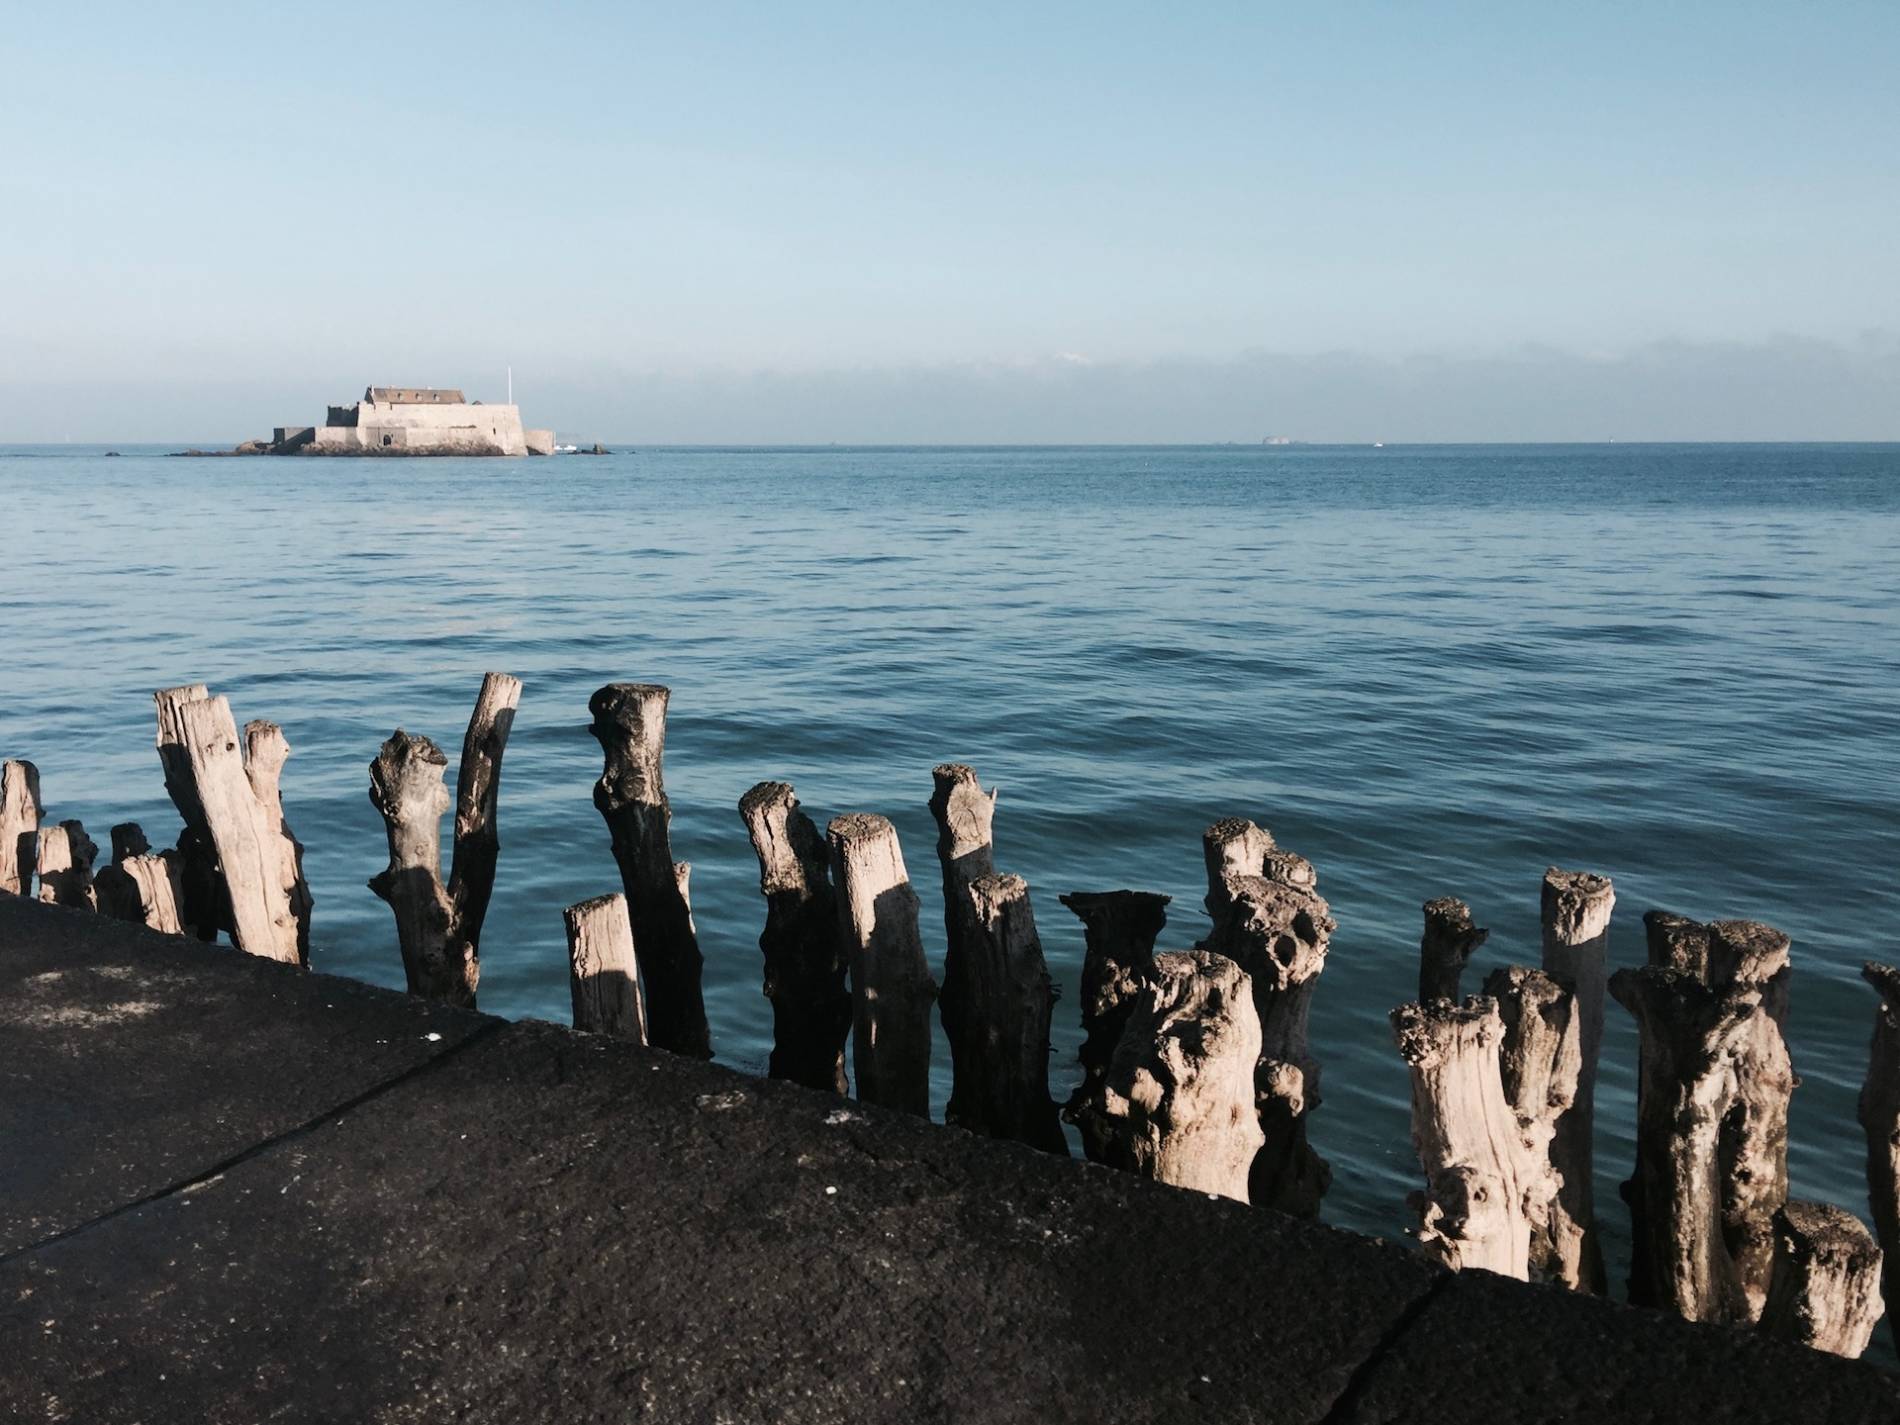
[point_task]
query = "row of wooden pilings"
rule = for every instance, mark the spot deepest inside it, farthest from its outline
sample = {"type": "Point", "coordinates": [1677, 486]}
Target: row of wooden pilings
{"type": "Point", "coordinates": [1196, 1066]}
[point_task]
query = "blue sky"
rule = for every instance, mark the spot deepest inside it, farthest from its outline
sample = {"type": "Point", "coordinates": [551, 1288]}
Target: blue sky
{"type": "Point", "coordinates": [238, 206]}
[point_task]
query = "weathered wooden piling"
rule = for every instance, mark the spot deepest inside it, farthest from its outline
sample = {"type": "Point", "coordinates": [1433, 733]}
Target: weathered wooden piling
{"type": "Point", "coordinates": [20, 816]}
{"type": "Point", "coordinates": [1269, 920]}
{"type": "Point", "coordinates": [1753, 1147]}
{"type": "Point", "coordinates": [1487, 1187]}
{"type": "Point", "coordinates": [1825, 1286]}
{"type": "Point", "coordinates": [1176, 1102]}
{"type": "Point", "coordinates": [805, 958]}
{"type": "Point", "coordinates": [1690, 1035]}
{"type": "Point", "coordinates": [1879, 1112]}
{"type": "Point", "coordinates": [1119, 929]}
{"type": "Point", "coordinates": [1450, 939]}
{"type": "Point", "coordinates": [138, 885]}
{"type": "Point", "coordinates": [242, 867]}
{"type": "Point", "coordinates": [1538, 1062]}
{"type": "Point", "coordinates": [996, 1014]}
{"type": "Point", "coordinates": [629, 722]}
{"type": "Point", "coordinates": [1575, 910]}
{"type": "Point", "coordinates": [964, 814]}
{"type": "Point", "coordinates": [603, 972]}
{"type": "Point", "coordinates": [891, 986]}
{"type": "Point", "coordinates": [439, 926]}
{"type": "Point", "coordinates": [64, 866]}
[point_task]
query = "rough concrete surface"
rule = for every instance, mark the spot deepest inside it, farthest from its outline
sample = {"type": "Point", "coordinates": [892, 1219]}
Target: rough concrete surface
{"type": "Point", "coordinates": [538, 1225]}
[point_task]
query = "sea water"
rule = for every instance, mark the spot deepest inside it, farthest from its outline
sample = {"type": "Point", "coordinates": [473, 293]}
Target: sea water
{"type": "Point", "coordinates": [1431, 670]}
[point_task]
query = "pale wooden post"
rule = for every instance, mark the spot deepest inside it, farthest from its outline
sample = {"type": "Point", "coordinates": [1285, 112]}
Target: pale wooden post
{"type": "Point", "coordinates": [1879, 1112]}
{"type": "Point", "coordinates": [1538, 1062]}
{"type": "Point", "coordinates": [65, 860]}
{"type": "Point", "coordinates": [805, 958]}
{"type": "Point", "coordinates": [1119, 930]}
{"type": "Point", "coordinates": [1176, 1102]}
{"type": "Point", "coordinates": [1575, 910]}
{"type": "Point", "coordinates": [1486, 1186]}
{"type": "Point", "coordinates": [891, 986]}
{"type": "Point", "coordinates": [603, 972]}
{"type": "Point", "coordinates": [20, 816]}
{"type": "Point", "coordinates": [1690, 1035]}
{"type": "Point", "coordinates": [1269, 920]}
{"type": "Point", "coordinates": [139, 886]}
{"type": "Point", "coordinates": [1000, 1006]}
{"type": "Point", "coordinates": [439, 926]}
{"type": "Point", "coordinates": [629, 722]}
{"type": "Point", "coordinates": [1450, 939]}
{"type": "Point", "coordinates": [1825, 1282]}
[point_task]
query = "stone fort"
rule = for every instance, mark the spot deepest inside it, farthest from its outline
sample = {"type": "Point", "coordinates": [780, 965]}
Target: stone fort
{"type": "Point", "coordinates": [416, 420]}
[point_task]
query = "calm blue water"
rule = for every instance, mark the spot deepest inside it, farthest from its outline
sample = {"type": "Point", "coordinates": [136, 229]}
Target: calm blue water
{"type": "Point", "coordinates": [1431, 670]}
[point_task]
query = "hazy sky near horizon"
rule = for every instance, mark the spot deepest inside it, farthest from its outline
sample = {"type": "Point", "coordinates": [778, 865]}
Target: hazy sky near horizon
{"type": "Point", "coordinates": [980, 222]}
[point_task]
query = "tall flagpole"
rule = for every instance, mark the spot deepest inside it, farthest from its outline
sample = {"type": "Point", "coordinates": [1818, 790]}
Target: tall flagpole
{"type": "Point", "coordinates": [511, 385]}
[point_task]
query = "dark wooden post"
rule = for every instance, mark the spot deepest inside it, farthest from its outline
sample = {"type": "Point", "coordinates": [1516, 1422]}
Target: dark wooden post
{"type": "Point", "coordinates": [439, 926]}
{"type": "Point", "coordinates": [1825, 1283]}
{"type": "Point", "coordinates": [1880, 1121]}
{"type": "Point", "coordinates": [891, 986]}
{"type": "Point", "coordinates": [805, 957]}
{"type": "Point", "coordinates": [1176, 1102]}
{"type": "Point", "coordinates": [138, 885]}
{"type": "Point", "coordinates": [1119, 930]}
{"type": "Point", "coordinates": [629, 721]}
{"type": "Point", "coordinates": [1451, 938]}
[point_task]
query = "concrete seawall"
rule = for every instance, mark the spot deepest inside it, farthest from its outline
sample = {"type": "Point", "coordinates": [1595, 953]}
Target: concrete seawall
{"type": "Point", "coordinates": [234, 1191]}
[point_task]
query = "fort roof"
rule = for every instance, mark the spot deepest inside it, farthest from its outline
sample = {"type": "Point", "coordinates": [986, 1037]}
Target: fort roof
{"type": "Point", "coordinates": [413, 396]}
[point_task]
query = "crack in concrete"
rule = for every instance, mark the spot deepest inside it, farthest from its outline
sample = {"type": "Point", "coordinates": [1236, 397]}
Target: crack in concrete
{"type": "Point", "coordinates": [264, 1145]}
{"type": "Point", "coordinates": [1340, 1412]}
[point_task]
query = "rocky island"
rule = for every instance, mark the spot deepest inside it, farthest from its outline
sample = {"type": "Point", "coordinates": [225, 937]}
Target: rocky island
{"type": "Point", "coordinates": [405, 420]}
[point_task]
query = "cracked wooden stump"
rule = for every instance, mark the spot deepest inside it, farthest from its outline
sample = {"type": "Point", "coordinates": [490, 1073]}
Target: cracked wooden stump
{"type": "Point", "coordinates": [138, 885]}
{"type": "Point", "coordinates": [1176, 1102]}
{"type": "Point", "coordinates": [242, 869]}
{"type": "Point", "coordinates": [1269, 920]}
{"type": "Point", "coordinates": [891, 987]}
{"type": "Point", "coordinates": [20, 817]}
{"type": "Point", "coordinates": [439, 926]}
{"type": "Point", "coordinates": [964, 814]}
{"type": "Point", "coordinates": [603, 974]}
{"type": "Point", "coordinates": [1690, 1037]}
{"type": "Point", "coordinates": [1119, 930]}
{"type": "Point", "coordinates": [996, 1013]}
{"type": "Point", "coordinates": [1450, 939]}
{"type": "Point", "coordinates": [629, 722]}
{"type": "Point", "coordinates": [1488, 1187]}
{"type": "Point", "coordinates": [1538, 1062]}
{"type": "Point", "coordinates": [64, 866]}
{"type": "Point", "coordinates": [1825, 1288]}
{"type": "Point", "coordinates": [1879, 1112]}
{"type": "Point", "coordinates": [1575, 911]}
{"type": "Point", "coordinates": [805, 959]}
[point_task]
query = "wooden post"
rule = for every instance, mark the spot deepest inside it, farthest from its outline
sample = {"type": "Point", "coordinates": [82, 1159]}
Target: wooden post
{"type": "Point", "coordinates": [1879, 1113]}
{"type": "Point", "coordinates": [20, 815]}
{"type": "Point", "coordinates": [602, 971]}
{"type": "Point", "coordinates": [1177, 1100]}
{"type": "Point", "coordinates": [439, 926]}
{"type": "Point", "coordinates": [1119, 930]}
{"type": "Point", "coordinates": [964, 813]}
{"type": "Point", "coordinates": [1449, 941]}
{"type": "Point", "coordinates": [1487, 1188]}
{"type": "Point", "coordinates": [1825, 1291]}
{"type": "Point", "coordinates": [1576, 908]}
{"type": "Point", "coordinates": [206, 907]}
{"type": "Point", "coordinates": [1538, 1062]}
{"type": "Point", "coordinates": [1690, 1035]}
{"type": "Point", "coordinates": [891, 987]}
{"type": "Point", "coordinates": [139, 886]}
{"type": "Point", "coordinates": [805, 959]}
{"type": "Point", "coordinates": [996, 1014]}
{"type": "Point", "coordinates": [1271, 922]}
{"type": "Point", "coordinates": [1753, 1149]}
{"type": "Point", "coordinates": [629, 722]}
{"type": "Point", "coordinates": [65, 860]}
